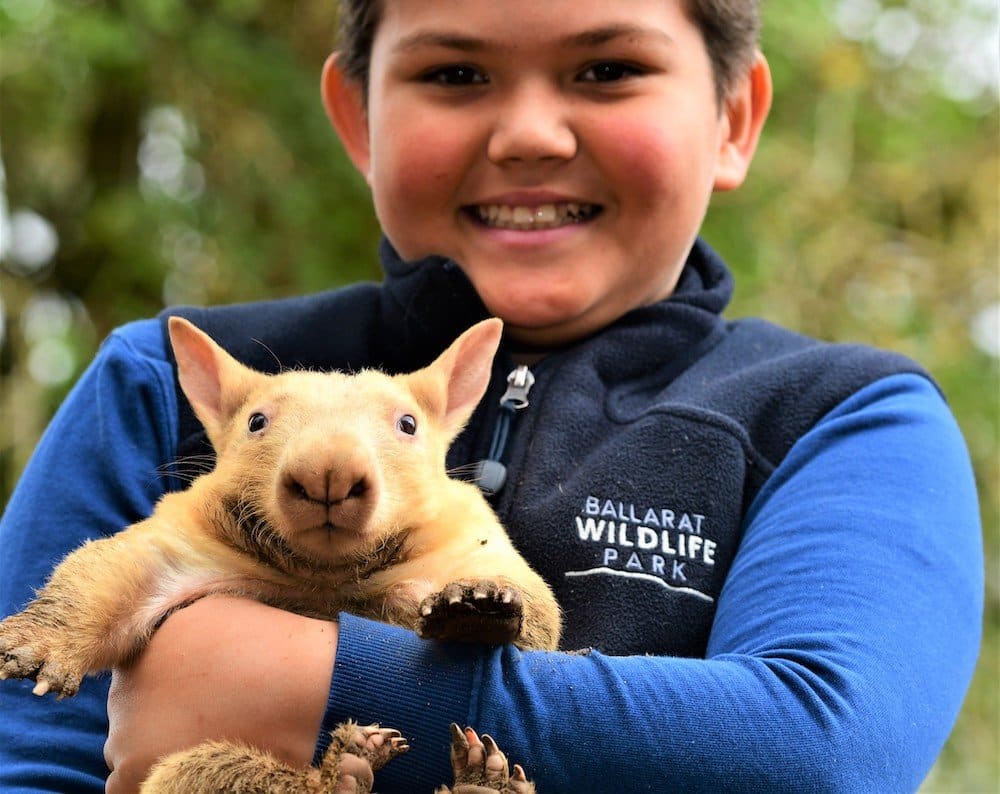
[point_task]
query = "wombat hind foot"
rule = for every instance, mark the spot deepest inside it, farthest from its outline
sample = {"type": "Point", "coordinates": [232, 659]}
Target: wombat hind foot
{"type": "Point", "coordinates": [481, 768]}
{"type": "Point", "coordinates": [356, 752]}
{"type": "Point", "coordinates": [473, 611]}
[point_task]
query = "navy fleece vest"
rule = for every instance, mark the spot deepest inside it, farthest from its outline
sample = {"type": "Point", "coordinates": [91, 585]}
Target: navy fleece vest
{"type": "Point", "coordinates": [631, 470]}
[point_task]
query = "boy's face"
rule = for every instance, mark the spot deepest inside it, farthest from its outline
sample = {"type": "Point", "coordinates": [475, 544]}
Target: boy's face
{"type": "Point", "coordinates": [563, 153]}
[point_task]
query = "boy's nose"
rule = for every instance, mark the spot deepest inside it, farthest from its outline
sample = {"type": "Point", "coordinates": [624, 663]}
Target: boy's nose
{"type": "Point", "coordinates": [531, 127]}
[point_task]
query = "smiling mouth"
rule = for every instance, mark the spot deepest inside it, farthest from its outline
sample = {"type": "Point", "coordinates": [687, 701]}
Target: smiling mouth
{"type": "Point", "coordinates": [525, 218]}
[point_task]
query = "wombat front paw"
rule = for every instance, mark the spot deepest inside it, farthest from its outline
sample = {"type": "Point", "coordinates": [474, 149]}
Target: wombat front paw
{"type": "Point", "coordinates": [356, 752]}
{"type": "Point", "coordinates": [480, 611]}
{"type": "Point", "coordinates": [480, 767]}
{"type": "Point", "coordinates": [25, 653]}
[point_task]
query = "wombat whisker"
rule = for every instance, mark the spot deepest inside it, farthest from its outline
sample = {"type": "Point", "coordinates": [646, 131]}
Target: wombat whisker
{"type": "Point", "coordinates": [188, 468]}
{"type": "Point", "coordinates": [251, 520]}
{"type": "Point", "coordinates": [281, 367]}
{"type": "Point", "coordinates": [183, 476]}
{"type": "Point", "coordinates": [464, 471]}
{"type": "Point", "coordinates": [205, 457]}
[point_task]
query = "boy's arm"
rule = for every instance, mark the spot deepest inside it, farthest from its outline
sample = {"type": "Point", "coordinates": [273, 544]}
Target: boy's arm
{"type": "Point", "coordinates": [202, 676]}
{"type": "Point", "coordinates": [845, 638]}
{"type": "Point", "coordinates": [96, 470]}
{"type": "Point", "coordinates": [828, 666]}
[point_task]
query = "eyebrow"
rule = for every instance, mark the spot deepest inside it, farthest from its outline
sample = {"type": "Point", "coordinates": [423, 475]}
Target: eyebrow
{"type": "Point", "coordinates": [603, 35]}
{"type": "Point", "coordinates": [450, 41]}
{"type": "Point", "coordinates": [586, 38]}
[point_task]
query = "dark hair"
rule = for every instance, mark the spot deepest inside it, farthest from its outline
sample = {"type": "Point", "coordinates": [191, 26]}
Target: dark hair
{"type": "Point", "coordinates": [729, 27]}
{"type": "Point", "coordinates": [358, 20]}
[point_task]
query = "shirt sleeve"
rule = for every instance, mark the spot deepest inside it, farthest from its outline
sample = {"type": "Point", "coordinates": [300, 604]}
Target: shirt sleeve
{"type": "Point", "coordinates": [844, 641]}
{"type": "Point", "coordinates": [97, 469]}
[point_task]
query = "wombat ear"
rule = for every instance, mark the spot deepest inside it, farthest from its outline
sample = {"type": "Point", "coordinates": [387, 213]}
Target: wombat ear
{"type": "Point", "coordinates": [454, 383]}
{"type": "Point", "coordinates": [214, 382]}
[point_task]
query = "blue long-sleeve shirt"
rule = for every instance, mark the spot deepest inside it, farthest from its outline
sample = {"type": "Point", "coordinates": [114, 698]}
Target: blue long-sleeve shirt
{"type": "Point", "coordinates": [767, 549]}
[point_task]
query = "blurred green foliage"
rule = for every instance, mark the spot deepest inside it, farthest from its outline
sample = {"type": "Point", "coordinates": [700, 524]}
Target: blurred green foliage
{"type": "Point", "coordinates": [179, 153]}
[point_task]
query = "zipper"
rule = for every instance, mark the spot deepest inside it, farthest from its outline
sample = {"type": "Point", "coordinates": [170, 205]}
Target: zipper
{"type": "Point", "coordinates": [491, 474]}
{"type": "Point", "coordinates": [519, 383]}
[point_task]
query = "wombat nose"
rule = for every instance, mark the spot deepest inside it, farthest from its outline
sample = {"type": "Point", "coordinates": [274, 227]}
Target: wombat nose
{"type": "Point", "coordinates": [332, 483]}
{"type": "Point", "coordinates": [326, 488]}
{"type": "Point", "coordinates": [360, 488]}
{"type": "Point", "coordinates": [352, 488]}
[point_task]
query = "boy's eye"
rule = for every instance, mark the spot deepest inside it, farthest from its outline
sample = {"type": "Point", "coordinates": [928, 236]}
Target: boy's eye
{"type": "Point", "coordinates": [608, 72]}
{"type": "Point", "coordinates": [455, 75]}
{"type": "Point", "coordinates": [257, 423]}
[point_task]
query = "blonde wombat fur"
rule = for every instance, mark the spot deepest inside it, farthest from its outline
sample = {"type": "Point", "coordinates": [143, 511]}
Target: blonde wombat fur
{"type": "Point", "coordinates": [329, 494]}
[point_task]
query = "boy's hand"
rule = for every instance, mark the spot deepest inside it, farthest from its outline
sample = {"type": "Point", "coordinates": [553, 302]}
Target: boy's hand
{"type": "Point", "coordinates": [221, 668]}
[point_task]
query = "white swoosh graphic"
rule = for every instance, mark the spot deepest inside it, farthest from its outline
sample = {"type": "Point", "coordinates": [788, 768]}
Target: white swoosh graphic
{"type": "Point", "coordinates": [647, 576]}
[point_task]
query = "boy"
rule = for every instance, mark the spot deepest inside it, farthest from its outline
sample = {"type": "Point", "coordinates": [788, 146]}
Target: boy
{"type": "Point", "coordinates": [745, 526]}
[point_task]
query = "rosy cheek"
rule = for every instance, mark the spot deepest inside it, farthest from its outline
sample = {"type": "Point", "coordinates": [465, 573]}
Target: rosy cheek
{"type": "Point", "coordinates": [651, 164]}
{"type": "Point", "coordinates": [639, 158]}
{"type": "Point", "coordinates": [420, 160]}
{"type": "Point", "coordinates": [406, 185]}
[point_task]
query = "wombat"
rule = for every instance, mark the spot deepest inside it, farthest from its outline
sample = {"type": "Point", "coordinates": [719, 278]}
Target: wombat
{"type": "Point", "coordinates": [329, 494]}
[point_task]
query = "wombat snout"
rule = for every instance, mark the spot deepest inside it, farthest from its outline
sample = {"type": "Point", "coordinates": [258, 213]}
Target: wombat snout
{"type": "Point", "coordinates": [326, 487]}
{"type": "Point", "coordinates": [333, 483]}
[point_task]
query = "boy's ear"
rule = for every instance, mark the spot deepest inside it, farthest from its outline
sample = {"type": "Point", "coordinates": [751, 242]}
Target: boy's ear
{"type": "Point", "coordinates": [453, 384]}
{"type": "Point", "coordinates": [745, 109]}
{"type": "Point", "coordinates": [214, 382]}
{"type": "Point", "coordinates": [345, 106]}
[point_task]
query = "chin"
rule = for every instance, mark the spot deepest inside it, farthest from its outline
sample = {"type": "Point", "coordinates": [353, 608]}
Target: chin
{"type": "Point", "coordinates": [544, 333]}
{"type": "Point", "coordinates": [529, 311]}
{"type": "Point", "coordinates": [523, 324]}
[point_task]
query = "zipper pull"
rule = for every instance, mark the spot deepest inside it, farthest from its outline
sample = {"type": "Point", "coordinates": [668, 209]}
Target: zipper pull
{"type": "Point", "coordinates": [490, 474]}
{"type": "Point", "coordinates": [519, 383]}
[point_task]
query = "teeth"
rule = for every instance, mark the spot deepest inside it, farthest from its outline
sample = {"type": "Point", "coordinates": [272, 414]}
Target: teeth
{"type": "Point", "coordinates": [523, 216]}
{"type": "Point", "coordinates": [543, 216]}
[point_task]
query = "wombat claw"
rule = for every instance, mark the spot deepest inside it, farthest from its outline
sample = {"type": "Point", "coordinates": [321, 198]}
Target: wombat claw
{"type": "Point", "coordinates": [375, 744]}
{"type": "Point", "coordinates": [23, 658]}
{"type": "Point", "coordinates": [481, 768]}
{"type": "Point", "coordinates": [356, 752]}
{"type": "Point", "coordinates": [48, 677]}
{"type": "Point", "coordinates": [478, 611]}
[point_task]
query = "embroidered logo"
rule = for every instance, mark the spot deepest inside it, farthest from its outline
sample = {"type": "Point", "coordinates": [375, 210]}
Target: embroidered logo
{"type": "Point", "coordinates": [655, 544]}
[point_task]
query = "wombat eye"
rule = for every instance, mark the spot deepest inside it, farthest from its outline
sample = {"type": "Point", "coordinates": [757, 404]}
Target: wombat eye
{"type": "Point", "coordinates": [407, 424]}
{"type": "Point", "coordinates": [257, 423]}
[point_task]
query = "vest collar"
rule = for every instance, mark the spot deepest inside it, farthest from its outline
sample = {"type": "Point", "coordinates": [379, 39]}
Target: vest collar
{"type": "Point", "coordinates": [428, 302]}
